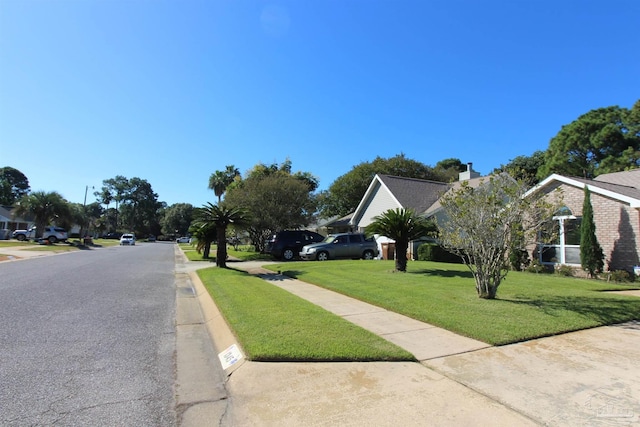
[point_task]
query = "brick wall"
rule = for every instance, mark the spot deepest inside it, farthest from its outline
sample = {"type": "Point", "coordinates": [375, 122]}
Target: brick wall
{"type": "Point", "coordinates": [617, 226]}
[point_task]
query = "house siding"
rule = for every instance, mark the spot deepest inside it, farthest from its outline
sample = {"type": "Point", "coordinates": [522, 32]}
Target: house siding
{"type": "Point", "coordinates": [617, 225]}
{"type": "Point", "coordinates": [380, 202]}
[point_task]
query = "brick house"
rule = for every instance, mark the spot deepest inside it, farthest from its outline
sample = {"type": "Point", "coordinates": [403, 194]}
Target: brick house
{"type": "Point", "coordinates": [615, 198]}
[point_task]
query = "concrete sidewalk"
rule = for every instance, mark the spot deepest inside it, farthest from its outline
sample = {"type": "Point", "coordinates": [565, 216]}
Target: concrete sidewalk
{"type": "Point", "coordinates": [582, 378]}
{"type": "Point", "coordinates": [344, 394]}
{"type": "Point", "coordinates": [421, 339]}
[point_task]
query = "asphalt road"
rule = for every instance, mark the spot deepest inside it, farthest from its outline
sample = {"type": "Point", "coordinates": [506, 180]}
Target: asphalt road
{"type": "Point", "coordinates": [88, 338]}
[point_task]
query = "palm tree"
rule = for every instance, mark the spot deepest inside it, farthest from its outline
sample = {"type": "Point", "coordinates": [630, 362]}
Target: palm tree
{"type": "Point", "coordinates": [403, 226]}
{"type": "Point", "coordinates": [219, 181]}
{"type": "Point", "coordinates": [217, 217]}
{"type": "Point", "coordinates": [204, 235]}
{"type": "Point", "coordinates": [43, 207]}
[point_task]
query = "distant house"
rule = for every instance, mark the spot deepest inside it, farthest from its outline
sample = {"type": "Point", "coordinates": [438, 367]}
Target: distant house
{"type": "Point", "coordinates": [337, 225]}
{"type": "Point", "coordinates": [9, 222]}
{"type": "Point", "coordinates": [392, 192]}
{"type": "Point", "coordinates": [615, 198]}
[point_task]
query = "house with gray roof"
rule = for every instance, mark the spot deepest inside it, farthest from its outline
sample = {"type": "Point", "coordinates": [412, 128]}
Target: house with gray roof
{"type": "Point", "coordinates": [615, 198]}
{"type": "Point", "coordinates": [393, 192]}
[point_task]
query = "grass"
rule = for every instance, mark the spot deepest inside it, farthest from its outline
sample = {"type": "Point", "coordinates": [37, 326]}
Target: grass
{"type": "Point", "coordinates": [275, 325]}
{"type": "Point", "coordinates": [106, 242]}
{"type": "Point", "coordinates": [528, 305]}
{"type": "Point", "coordinates": [12, 243]}
{"type": "Point", "coordinates": [33, 246]}
{"type": "Point", "coordinates": [244, 253]}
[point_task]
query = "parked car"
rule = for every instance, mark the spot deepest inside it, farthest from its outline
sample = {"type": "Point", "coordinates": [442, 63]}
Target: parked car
{"type": "Point", "coordinates": [50, 233]}
{"type": "Point", "coordinates": [288, 243]}
{"type": "Point", "coordinates": [344, 245]}
{"type": "Point", "coordinates": [127, 239]}
{"type": "Point", "coordinates": [183, 239]}
{"type": "Point", "coordinates": [151, 238]}
{"type": "Point", "coordinates": [112, 235]}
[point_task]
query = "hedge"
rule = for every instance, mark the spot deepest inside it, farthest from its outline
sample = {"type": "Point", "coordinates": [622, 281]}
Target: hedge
{"type": "Point", "coordinates": [435, 252]}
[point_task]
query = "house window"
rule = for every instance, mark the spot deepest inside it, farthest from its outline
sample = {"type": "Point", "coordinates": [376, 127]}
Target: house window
{"type": "Point", "coordinates": [560, 243]}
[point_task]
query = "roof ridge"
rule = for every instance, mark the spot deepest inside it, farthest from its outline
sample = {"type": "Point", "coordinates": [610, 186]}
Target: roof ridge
{"type": "Point", "coordinates": [412, 179]}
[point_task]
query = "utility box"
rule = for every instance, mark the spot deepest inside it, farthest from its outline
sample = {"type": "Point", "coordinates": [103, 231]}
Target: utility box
{"type": "Point", "coordinates": [5, 234]}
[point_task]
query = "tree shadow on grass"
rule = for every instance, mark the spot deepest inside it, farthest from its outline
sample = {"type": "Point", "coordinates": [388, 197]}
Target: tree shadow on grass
{"type": "Point", "coordinates": [604, 311]}
{"type": "Point", "coordinates": [281, 275]}
{"type": "Point", "coordinates": [443, 273]}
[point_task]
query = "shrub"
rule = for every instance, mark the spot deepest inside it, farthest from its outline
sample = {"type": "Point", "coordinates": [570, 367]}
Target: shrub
{"type": "Point", "coordinates": [536, 267]}
{"type": "Point", "coordinates": [564, 270]}
{"type": "Point", "coordinates": [436, 253]}
{"type": "Point", "coordinates": [519, 259]}
{"type": "Point", "coordinates": [619, 276]}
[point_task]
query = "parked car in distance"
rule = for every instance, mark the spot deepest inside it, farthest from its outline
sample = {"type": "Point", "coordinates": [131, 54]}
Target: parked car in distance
{"type": "Point", "coordinates": [151, 238]}
{"type": "Point", "coordinates": [287, 244]}
{"type": "Point", "coordinates": [127, 239]}
{"type": "Point", "coordinates": [183, 239]}
{"type": "Point", "coordinates": [50, 233]}
{"type": "Point", "coordinates": [344, 245]}
{"type": "Point", "coordinates": [112, 235]}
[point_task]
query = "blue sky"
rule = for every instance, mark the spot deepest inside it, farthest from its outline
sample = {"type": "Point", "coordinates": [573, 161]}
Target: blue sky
{"type": "Point", "coordinates": [171, 91]}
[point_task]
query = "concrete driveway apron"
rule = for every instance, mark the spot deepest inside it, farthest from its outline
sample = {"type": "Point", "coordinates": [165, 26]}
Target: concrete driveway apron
{"type": "Point", "coordinates": [584, 378]}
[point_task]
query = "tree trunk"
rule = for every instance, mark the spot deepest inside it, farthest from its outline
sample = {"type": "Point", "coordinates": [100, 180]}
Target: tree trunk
{"type": "Point", "coordinates": [487, 291]}
{"type": "Point", "coordinates": [207, 250]}
{"type": "Point", "coordinates": [221, 254]}
{"type": "Point", "coordinates": [401, 256]}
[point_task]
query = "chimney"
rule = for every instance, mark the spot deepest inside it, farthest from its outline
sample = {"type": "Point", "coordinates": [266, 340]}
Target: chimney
{"type": "Point", "coordinates": [468, 174]}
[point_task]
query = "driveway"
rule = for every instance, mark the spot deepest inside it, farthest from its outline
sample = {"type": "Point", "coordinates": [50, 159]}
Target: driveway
{"type": "Point", "coordinates": [584, 378]}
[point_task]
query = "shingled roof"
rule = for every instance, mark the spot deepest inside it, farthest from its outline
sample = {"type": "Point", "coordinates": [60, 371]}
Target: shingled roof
{"type": "Point", "coordinates": [416, 194]}
{"type": "Point", "coordinates": [623, 186]}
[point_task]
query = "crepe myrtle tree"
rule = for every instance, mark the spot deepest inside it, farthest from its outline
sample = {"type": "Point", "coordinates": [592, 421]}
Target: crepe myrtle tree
{"type": "Point", "coordinates": [479, 225]}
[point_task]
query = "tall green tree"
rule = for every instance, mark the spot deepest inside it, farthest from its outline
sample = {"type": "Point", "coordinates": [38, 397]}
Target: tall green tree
{"type": "Point", "coordinates": [45, 207]}
{"type": "Point", "coordinates": [219, 217]}
{"type": "Point", "coordinates": [177, 219]}
{"type": "Point", "coordinates": [137, 206]}
{"type": "Point", "coordinates": [275, 199]}
{"type": "Point", "coordinates": [141, 208]}
{"type": "Point", "coordinates": [479, 225]}
{"type": "Point", "coordinates": [448, 170]}
{"type": "Point", "coordinates": [114, 189]}
{"type": "Point", "coordinates": [403, 226]}
{"type": "Point", "coordinates": [603, 140]}
{"type": "Point", "coordinates": [524, 168]}
{"type": "Point", "coordinates": [13, 185]}
{"type": "Point", "coordinates": [345, 193]}
{"type": "Point", "coordinates": [219, 181]}
{"type": "Point", "coordinates": [591, 254]}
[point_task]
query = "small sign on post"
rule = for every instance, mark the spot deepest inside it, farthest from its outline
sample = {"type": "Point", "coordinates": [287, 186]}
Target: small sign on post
{"type": "Point", "coordinates": [230, 356]}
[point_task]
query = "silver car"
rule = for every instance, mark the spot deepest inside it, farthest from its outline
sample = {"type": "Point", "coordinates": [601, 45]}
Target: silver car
{"type": "Point", "coordinates": [127, 239]}
{"type": "Point", "coordinates": [346, 245]}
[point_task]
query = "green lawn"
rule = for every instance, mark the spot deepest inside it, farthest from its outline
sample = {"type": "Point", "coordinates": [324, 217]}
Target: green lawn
{"type": "Point", "coordinates": [243, 253]}
{"type": "Point", "coordinates": [274, 325]}
{"type": "Point", "coordinates": [528, 305]}
{"type": "Point", "coordinates": [33, 246]}
{"type": "Point", "coordinates": [12, 243]}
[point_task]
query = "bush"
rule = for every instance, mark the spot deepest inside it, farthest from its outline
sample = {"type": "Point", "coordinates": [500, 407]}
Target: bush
{"type": "Point", "coordinates": [537, 267]}
{"type": "Point", "coordinates": [564, 270]}
{"type": "Point", "coordinates": [519, 259]}
{"type": "Point", "coordinates": [436, 253]}
{"type": "Point", "coordinates": [619, 276]}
